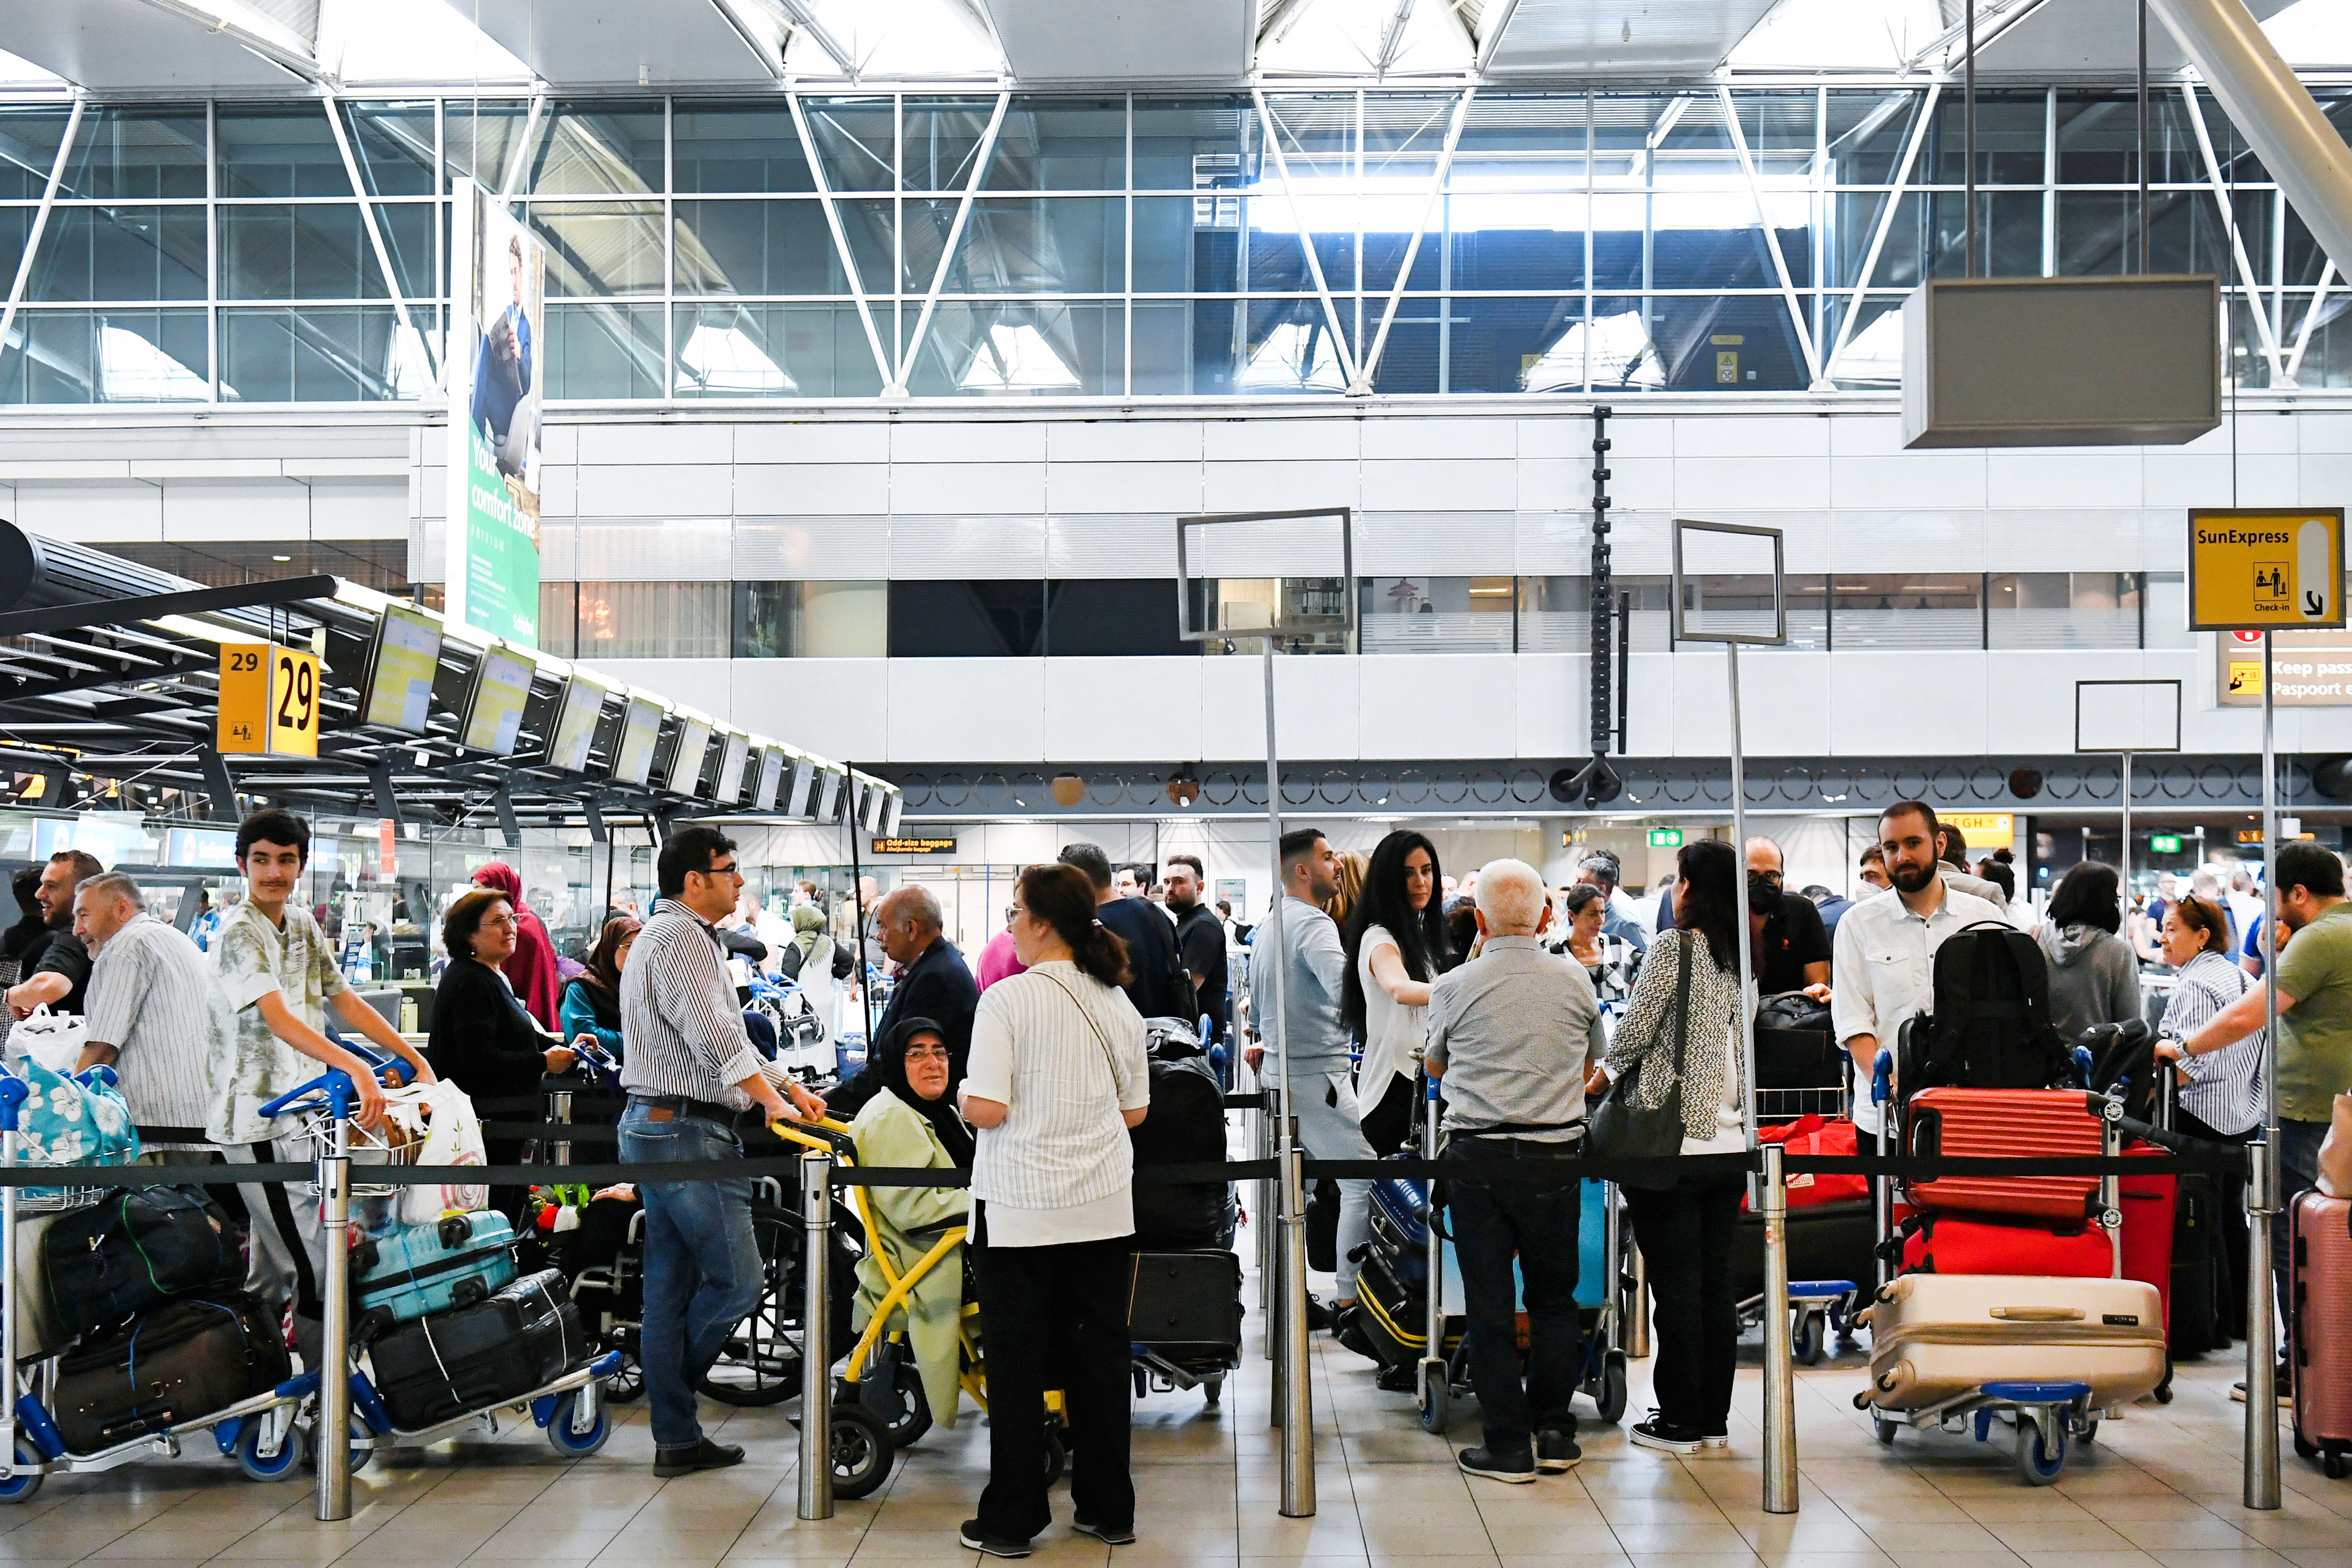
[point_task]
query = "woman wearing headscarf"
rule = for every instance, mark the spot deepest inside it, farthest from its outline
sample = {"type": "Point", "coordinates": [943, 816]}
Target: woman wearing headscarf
{"type": "Point", "coordinates": [591, 999]}
{"type": "Point", "coordinates": [913, 1121]}
{"type": "Point", "coordinates": [530, 969]}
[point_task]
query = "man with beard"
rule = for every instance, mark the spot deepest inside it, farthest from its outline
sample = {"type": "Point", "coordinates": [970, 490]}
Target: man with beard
{"type": "Point", "coordinates": [58, 974]}
{"type": "Point", "coordinates": [1886, 957]}
{"type": "Point", "coordinates": [1200, 938]}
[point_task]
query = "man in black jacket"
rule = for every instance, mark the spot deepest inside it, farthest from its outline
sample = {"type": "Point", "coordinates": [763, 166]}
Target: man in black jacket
{"type": "Point", "coordinates": [1151, 939]}
{"type": "Point", "coordinates": [934, 983]}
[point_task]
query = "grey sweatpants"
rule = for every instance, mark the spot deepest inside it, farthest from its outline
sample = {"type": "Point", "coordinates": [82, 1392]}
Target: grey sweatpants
{"type": "Point", "coordinates": [1325, 1104]}
{"type": "Point", "coordinates": [287, 1247]}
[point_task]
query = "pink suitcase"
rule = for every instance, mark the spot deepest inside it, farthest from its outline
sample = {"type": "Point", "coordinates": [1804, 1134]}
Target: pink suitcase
{"type": "Point", "coordinates": [2321, 1342]}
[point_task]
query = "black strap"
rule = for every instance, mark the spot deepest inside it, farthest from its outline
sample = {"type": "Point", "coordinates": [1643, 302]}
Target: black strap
{"type": "Point", "coordinates": [281, 1214]}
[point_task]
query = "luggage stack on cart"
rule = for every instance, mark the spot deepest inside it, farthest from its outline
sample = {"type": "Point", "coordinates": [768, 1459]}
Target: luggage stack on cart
{"type": "Point", "coordinates": [1800, 1104]}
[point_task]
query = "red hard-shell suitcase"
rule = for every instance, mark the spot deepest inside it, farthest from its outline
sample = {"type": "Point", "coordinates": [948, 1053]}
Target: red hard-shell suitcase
{"type": "Point", "coordinates": [2019, 1124]}
{"type": "Point", "coordinates": [1969, 1244]}
{"type": "Point", "coordinates": [2148, 1204]}
{"type": "Point", "coordinates": [2322, 1329]}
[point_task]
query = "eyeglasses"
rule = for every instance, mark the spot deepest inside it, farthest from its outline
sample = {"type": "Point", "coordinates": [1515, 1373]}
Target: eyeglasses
{"type": "Point", "coordinates": [732, 868]}
{"type": "Point", "coordinates": [501, 921]}
{"type": "Point", "coordinates": [1016, 910]}
{"type": "Point", "coordinates": [927, 1053]}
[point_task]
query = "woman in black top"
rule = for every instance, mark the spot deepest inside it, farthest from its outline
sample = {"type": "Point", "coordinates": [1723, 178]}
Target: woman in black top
{"type": "Point", "coordinates": [482, 1040]}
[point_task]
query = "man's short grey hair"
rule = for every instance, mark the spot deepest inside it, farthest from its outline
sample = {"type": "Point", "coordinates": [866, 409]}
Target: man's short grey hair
{"type": "Point", "coordinates": [2243, 880]}
{"type": "Point", "coordinates": [1511, 896]}
{"type": "Point", "coordinates": [1602, 863]}
{"type": "Point", "coordinates": [920, 900]}
{"type": "Point", "coordinates": [114, 885]}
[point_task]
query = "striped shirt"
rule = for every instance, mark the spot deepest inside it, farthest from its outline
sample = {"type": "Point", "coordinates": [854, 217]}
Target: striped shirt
{"type": "Point", "coordinates": [154, 998]}
{"type": "Point", "coordinates": [678, 1013]}
{"type": "Point", "coordinates": [2225, 1086]}
{"type": "Point", "coordinates": [1064, 1054]}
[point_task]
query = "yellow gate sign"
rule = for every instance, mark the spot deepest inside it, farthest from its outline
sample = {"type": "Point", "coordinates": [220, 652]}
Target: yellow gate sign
{"type": "Point", "coordinates": [2272, 569]}
{"type": "Point", "coordinates": [268, 700]}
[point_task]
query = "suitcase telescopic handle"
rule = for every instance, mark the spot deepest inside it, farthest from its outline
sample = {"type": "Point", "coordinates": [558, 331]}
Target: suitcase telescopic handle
{"type": "Point", "coordinates": [2038, 1314]}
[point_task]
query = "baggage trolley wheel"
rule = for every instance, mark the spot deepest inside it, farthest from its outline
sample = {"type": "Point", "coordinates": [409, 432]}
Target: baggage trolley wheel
{"type": "Point", "coordinates": [20, 1486]}
{"type": "Point", "coordinates": [2305, 1449]}
{"type": "Point", "coordinates": [1214, 1390]}
{"type": "Point", "coordinates": [897, 1396]}
{"type": "Point", "coordinates": [1436, 1397]}
{"type": "Point", "coordinates": [2090, 1432]}
{"type": "Point", "coordinates": [2332, 1460]}
{"type": "Point", "coordinates": [1057, 1453]}
{"type": "Point", "coordinates": [361, 1454]}
{"type": "Point", "coordinates": [1612, 1388]}
{"type": "Point", "coordinates": [1885, 1428]}
{"type": "Point", "coordinates": [282, 1466]}
{"type": "Point", "coordinates": [627, 1384]}
{"type": "Point", "coordinates": [2037, 1462]}
{"type": "Point", "coordinates": [861, 1452]}
{"type": "Point", "coordinates": [1805, 1338]}
{"type": "Point", "coordinates": [577, 1445]}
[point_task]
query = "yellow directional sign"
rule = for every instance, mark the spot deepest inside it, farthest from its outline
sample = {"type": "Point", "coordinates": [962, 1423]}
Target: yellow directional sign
{"type": "Point", "coordinates": [2265, 569]}
{"type": "Point", "coordinates": [268, 700]}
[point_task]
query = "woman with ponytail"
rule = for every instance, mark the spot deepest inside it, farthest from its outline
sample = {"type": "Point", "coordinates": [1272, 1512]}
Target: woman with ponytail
{"type": "Point", "coordinates": [1057, 1075]}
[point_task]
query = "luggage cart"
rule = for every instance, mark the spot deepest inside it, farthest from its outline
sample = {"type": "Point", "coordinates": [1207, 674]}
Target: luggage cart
{"type": "Point", "coordinates": [1817, 1308]}
{"type": "Point", "coordinates": [260, 1432]}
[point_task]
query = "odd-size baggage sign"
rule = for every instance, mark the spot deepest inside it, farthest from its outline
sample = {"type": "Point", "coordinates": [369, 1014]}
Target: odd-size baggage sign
{"type": "Point", "coordinates": [2265, 569]}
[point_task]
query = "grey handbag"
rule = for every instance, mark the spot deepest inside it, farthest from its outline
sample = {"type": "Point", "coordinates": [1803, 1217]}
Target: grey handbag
{"type": "Point", "coordinates": [1622, 1130]}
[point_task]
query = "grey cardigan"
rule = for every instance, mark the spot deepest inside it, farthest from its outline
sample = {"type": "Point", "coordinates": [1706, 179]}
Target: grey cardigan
{"type": "Point", "coordinates": [2093, 978]}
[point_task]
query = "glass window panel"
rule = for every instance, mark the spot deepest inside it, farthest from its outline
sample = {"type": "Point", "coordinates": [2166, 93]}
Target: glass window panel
{"type": "Point", "coordinates": [988, 619]}
{"type": "Point", "coordinates": [1435, 615]}
{"type": "Point", "coordinates": [1039, 244]}
{"type": "Point", "coordinates": [604, 350]}
{"type": "Point", "coordinates": [1022, 349]}
{"type": "Point", "coordinates": [2326, 361]}
{"type": "Point", "coordinates": [1742, 603]}
{"type": "Point", "coordinates": [1194, 143]}
{"type": "Point", "coordinates": [379, 563]}
{"type": "Point", "coordinates": [2239, 162]}
{"type": "Point", "coordinates": [2247, 366]}
{"type": "Point", "coordinates": [1516, 345]}
{"type": "Point", "coordinates": [2009, 141]}
{"type": "Point", "coordinates": [857, 139]}
{"type": "Point", "coordinates": [2063, 610]}
{"type": "Point", "coordinates": [1186, 245]}
{"type": "Point", "coordinates": [1867, 133]}
{"type": "Point", "coordinates": [1187, 348]}
{"type": "Point", "coordinates": [1410, 362]}
{"type": "Point", "coordinates": [1727, 343]}
{"type": "Point", "coordinates": [2009, 236]}
{"type": "Point", "coordinates": [1854, 218]}
{"type": "Point", "coordinates": [122, 154]}
{"type": "Point", "coordinates": [2099, 139]}
{"type": "Point", "coordinates": [653, 620]}
{"type": "Point", "coordinates": [597, 150]}
{"type": "Point", "coordinates": [15, 226]}
{"type": "Point", "coordinates": [1907, 610]}
{"type": "Point", "coordinates": [1278, 262]}
{"type": "Point", "coordinates": [1107, 617]}
{"type": "Point", "coordinates": [1780, 126]}
{"type": "Point", "coordinates": [872, 228]}
{"type": "Point", "coordinates": [408, 230]}
{"type": "Point", "coordinates": [1521, 240]}
{"type": "Point", "coordinates": [942, 137]}
{"type": "Point", "coordinates": [1873, 356]}
{"type": "Point", "coordinates": [2305, 258]}
{"type": "Point", "coordinates": [392, 144]}
{"type": "Point", "coordinates": [28, 150]}
{"type": "Point", "coordinates": [812, 620]}
{"type": "Point", "coordinates": [121, 253]}
{"type": "Point", "coordinates": [106, 356]}
{"type": "Point", "coordinates": [737, 146]}
{"type": "Point", "coordinates": [781, 247]}
{"type": "Point", "coordinates": [1404, 133]}
{"type": "Point", "coordinates": [1317, 131]}
{"type": "Point", "coordinates": [600, 249]}
{"type": "Point", "coordinates": [1288, 349]}
{"type": "Point", "coordinates": [1703, 239]}
{"type": "Point", "coordinates": [1061, 144]}
{"type": "Point", "coordinates": [1556, 613]}
{"type": "Point", "coordinates": [774, 350]}
{"type": "Point", "coordinates": [559, 613]}
{"type": "Point", "coordinates": [480, 133]}
{"type": "Point", "coordinates": [318, 355]}
{"type": "Point", "coordinates": [311, 252]}
{"type": "Point", "coordinates": [279, 150]}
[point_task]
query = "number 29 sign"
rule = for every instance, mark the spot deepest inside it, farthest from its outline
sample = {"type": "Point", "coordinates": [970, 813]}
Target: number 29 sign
{"type": "Point", "coordinates": [268, 699]}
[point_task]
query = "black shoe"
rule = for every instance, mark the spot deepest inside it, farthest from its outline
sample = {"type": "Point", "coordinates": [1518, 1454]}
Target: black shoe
{"type": "Point", "coordinates": [1319, 1316]}
{"type": "Point", "coordinates": [1495, 1467]}
{"type": "Point", "coordinates": [1660, 1433]}
{"type": "Point", "coordinates": [1403, 1378]}
{"type": "Point", "coordinates": [1556, 1450]}
{"type": "Point", "coordinates": [978, 1539]}
{"type": "Point", "coordinates": [1103, 1532]}
{"type": "Point", "coordinates": [2285, 1390]}
{"type": "Point", "coordinates": [703, 1455]}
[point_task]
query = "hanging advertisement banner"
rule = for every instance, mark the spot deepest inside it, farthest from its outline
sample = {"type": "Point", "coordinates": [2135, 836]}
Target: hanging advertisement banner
{"type": "Point", "coordinates": [497, 280]}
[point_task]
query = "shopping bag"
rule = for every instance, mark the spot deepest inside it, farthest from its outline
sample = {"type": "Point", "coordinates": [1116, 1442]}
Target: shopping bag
{"type": "Point", "coordinates": [53, 1039]}
{"type": "Point", "coordinates": [73, 1121]}
{"type": "Point", "coordinates": [450, 1133]}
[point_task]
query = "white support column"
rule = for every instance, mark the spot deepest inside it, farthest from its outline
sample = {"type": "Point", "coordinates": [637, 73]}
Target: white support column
{"type": "Point", "coordinates": [1772, 243]}
{"type": "Point", "coordinates": [897, 387]}
{"type": "Point", "coordinates": [2246, 279]}
{"type": "Point", "coordinates": [1885, 227]}
{"type": "Point", "coordinates": [2310, 319]}
{"type": "Point", "coordinates": [1266, 128]}
{"type": "Point", "coordinates": [40, 223]}
{"type": "Point", "coordinates": [1362, 386]}
{"type": "Point", "coordinates": [375, 237]}
{"type": "Point", "coordinates": [840, 240]}
{"type": "Point", "coordinates": [518, 156]}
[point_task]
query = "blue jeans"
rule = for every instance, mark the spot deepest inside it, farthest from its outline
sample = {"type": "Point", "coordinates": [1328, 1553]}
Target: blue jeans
{"type": "Point", "coordinates": [702, 1264]}
{"type": "Point", "coordinates": [1536, 1223]}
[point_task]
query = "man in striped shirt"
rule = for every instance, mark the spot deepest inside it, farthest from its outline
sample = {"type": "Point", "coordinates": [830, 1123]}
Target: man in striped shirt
{"type": "Point", "coordinates": [157, 1015]}
{"type": "Point", "coordinates": [690, 1076]}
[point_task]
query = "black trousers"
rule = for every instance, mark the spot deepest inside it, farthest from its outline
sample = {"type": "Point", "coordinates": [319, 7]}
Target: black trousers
{"type": "Point", "coordinates": [2231, 1187]}
{"type": "Point", "coordinates": [1685, 1235]}
{"type": "Point", "coordinates": [1535, 1223]}
{"type": "Point", "coordinates": [1388, 1121]}
{"type": "Point", "coordinates": [1055, 1316]}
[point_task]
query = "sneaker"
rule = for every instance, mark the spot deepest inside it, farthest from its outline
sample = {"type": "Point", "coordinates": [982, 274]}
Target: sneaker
{"type": "Point", "coordinates": [1719, 1444]}
{"type": "Point", "coordinates": [975, 1539]}
{"type": "Point", "coordinates": [1403, 1378]}
{"type": "Point", "coordinates": [1659, 1434]}
{"type": "Point", "coordinates": [1480, 1462]}
{"type": "Point", "coordinates": [1556, 1450]}
{"type": "Point", "coordinates": [1319, 1316]}
{"type": "Point", "coordinates": [1103, 1532]}
{"type": "Point", "coordinates": [2285, 1386]}
{"type": "Point", "coordinates": [702, 1455]}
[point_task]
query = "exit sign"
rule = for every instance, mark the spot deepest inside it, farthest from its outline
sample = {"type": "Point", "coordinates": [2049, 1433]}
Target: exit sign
{"type": "Point", "coordinates": [1665, 838]}
{"type": "Point", "coordinates": [2164, 844]}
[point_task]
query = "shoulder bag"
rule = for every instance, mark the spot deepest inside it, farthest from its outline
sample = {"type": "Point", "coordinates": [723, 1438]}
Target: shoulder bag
{"type": "Point", "coordinates": [1622, 1130]}
{"type": "Point", "coordinates": [1110, 1057]}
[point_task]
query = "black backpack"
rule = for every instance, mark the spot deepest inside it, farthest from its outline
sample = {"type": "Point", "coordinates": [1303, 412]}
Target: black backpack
{"type": "Point", "coordinates": [1990, 1028]}
{"type": "Point", "coordinates": [1186, 1125]}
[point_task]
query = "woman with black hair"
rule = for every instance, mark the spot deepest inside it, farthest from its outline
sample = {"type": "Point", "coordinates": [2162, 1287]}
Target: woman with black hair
{"type": "Point", "coordinates": [2093, 978]}
{"type": "Point", "coordinates": [1395, 939]}
{"type": "Point", "coordinates": [1681, 1039]}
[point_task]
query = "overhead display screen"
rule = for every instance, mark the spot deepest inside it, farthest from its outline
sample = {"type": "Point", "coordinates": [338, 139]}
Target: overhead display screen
{"type": "Point", "coordinates": [772, 778]}
{"type": "Point", "coordinates": [577, 714]}
{"type": "Point", "coordinates": [400, 675]}
{"type": "Point", "coordinates": [686, 762]}
{"type": "Point", "coordinates": [501, 692]}
{"type": "Point", "coordinates": [730, 767]}
{"type": "Point", "coordinates": [828, 800]}
{"type": "Point", "coordinates": [633, 759]}
{"type": "Point", "coordinates": [801, 800]}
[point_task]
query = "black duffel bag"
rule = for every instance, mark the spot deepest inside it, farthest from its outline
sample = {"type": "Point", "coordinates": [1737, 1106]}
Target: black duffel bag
{"type": "Point", "coordinates": [138, 1247]}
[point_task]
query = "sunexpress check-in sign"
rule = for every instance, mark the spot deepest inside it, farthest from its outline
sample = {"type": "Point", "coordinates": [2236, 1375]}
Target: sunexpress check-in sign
{"type": "Point", "coordinates": [2267, 569]}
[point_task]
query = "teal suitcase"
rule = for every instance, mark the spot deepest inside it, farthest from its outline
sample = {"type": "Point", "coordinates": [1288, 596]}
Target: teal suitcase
{"type": "Point", "coordinates": [412, 1271]}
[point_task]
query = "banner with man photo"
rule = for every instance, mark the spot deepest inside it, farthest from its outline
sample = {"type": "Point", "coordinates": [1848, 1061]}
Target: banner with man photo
{"type": "Point", "coordinates": [498, 281]}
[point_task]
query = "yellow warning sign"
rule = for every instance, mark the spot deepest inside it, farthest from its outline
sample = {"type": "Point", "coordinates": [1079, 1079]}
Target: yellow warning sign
{"type": "Point", "coordinates": [2266, 570]}
{"type": "Point", "coordinates": [2244, 678]}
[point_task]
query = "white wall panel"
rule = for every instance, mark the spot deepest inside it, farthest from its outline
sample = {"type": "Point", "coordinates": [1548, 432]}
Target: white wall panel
{"type": "Point", "coordinates": [2083, 539]}
{"type": "Point", "coordinates": [975, 441]}
{"type": "Point", "coordinates": [666, 444]}
{"type": "Point", "coordinates": [686, 550]}
{"type": "Point", "coordinates": [1092, 714]}
{"type": "Point", "coordinates": [2325, 478]}
{"type": "Point", "coordinates": [1100, 546]}
{"type": "Point", "coordinates": [1641, 544]}
{"type": "Point", "coordinates": [1921, 540]}
{"type": "Point", "coordinates": [1279, 547]}
{"type": "Point", "coordinates": [1701, 483]}
{"type": "Point", "coordinates": [824, 549]}
{"type": "Point", "coordinates": [837, 707]}
{"type": "Point", "coordinates": [967, 709]}
{"type": "Point", "coordinates": [1913, 479]}
{"type": "Point", "coordinates": [1908, 704]}
{"type": "Point", "coordinates": [1751, 435]}
{"type": "Point", "coordinates": [818, 441]}
{"type": "Point", "coordinates": [2079, 476]}
{"type": "Point", "coordinates": [431, 495]}
{"type": "Point", "coordinates": [708, 684]}
{"type": "Point", "coordinates": [2320, 430]}
{"type": "Point", "coordinates": [359, 508]}
{"type": "Point", "coordinates": [1865, 435]}
{"type": "Point", "coordinates": [940, 487]}
{"type": "Point", "coordinates": [2263, 431]}
{"type": "Point", "coordinates": [1440, 484]}
{"type": "Point", "coordinates": [1123, 441]}
{"type": "Point", "coordinates": [1073, 488]}
{"type": "Point", "coordinates": [1554, 704]}
{"type": "Point", "coordinates": [2033, 700]}
{"type": "Point", "coordinates": [663, 490]}
{"type": "Point", "coordinates": [1554, 544]}
{"type": "Point", "coordinates": [1438, 705]}
{"type": "Point", "coordinates": [1436, 543]}
{"type": "Point", "coordinates": [950, 547]}
{"type": "Point", "coordinates": [812, 489]}
{"type": "Point", "coordinates": [2187, 479]}
{"type": "Point", "coordinates": [429, 548]}
{"type": "Point", "coordinates": [1280, 486]}
{"type": "Point", "coordinates": [1416, 437]}
{"type": "Point", "coordinates": [1279, 438]}
{"type": "Point", "coordinates": [123, 512]}
{"type": "Point", "coordinates": [557, 443]}
{"type": "Point", "coordinates": [270, 508]}
{"type": "Point", "coordinates": [1315, 707]}
{"type": "Point", "coordinates": [1554, 483]}
{"type": "Point", "coordinates": [1650, 704]}
{"type": "Point", "coordinates": [559, 489]}
{"type": "Point", "coordinates": [2164, 540]}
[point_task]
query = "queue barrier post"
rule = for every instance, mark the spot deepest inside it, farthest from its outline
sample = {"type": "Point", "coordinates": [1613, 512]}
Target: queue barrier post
{"type": "Point", "coordinates": [1298, 1396]}
{"type": "Point", "coordinates": [2261, 1481]}
{"type": "Point", "coordinates": [816, 1365]}
{"type": "Point", "coordinates": [1268, 1234]}
{"type": "Point", "coordinates": [332, 1437]}
{"type": "Point", "coordinates": [559, 1109]}
{"type": "Point", "coordinates": [1780, 1355]}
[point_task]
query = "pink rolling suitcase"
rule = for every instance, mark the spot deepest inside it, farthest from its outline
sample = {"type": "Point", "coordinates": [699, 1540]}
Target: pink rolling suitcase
{"type": "Point", "coordinates": [2321, 1346]}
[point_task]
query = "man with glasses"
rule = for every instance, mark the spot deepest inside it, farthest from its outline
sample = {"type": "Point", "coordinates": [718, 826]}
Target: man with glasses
{"type": "Point", "coordinates": [1795, 943]}
{"type": "Point", "coordinates": [690, 1075]}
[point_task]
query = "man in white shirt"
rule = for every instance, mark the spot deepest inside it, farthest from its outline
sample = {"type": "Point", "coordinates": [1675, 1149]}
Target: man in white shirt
{"type": "Point", "coordinates": [157, 1014]}
{"type": "Point", "coordinates": [1885, 968]}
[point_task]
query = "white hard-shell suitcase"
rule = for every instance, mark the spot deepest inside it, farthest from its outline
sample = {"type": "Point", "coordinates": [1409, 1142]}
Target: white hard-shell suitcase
{"type": "Point", "coordinates": [1935, 1337]}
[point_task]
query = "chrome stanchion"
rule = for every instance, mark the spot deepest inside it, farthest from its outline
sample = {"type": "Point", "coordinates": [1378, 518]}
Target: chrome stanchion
{"type": "Point", "coordinates": [1268, 1232]}
{"type": "Point", "coordinates": [1780, 1355]}
{"type": "Point", "coordinates": [331, 1438]}
{"type": "Point", "coordinates": [2111, 1186]}
{"type": "Point", "coordinates": [559, 1109]}
{"type": "Point", "coordinates": [1433, 1364]}
{"type": "Point", "coordinates": [1298, 1401]}
{"type": "Point", "coordinates": [816, 1365]}
{"type": "Point", "coordinates": [2261, 1460]}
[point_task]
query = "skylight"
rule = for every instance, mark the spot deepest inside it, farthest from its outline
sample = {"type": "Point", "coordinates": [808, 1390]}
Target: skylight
{"type": "Point", "coordinates": [1839, 35]}
{"type": "Point", "coordinates": [725, 360]}
{"type": "Point", "coordinates": [411, 40]}
{"type": "Point", "coordinates": [890, 39]}
{"type": "Point", "coordinates": [1368, 38]}
{"type": "Point", "coordinates": [2313, 33]}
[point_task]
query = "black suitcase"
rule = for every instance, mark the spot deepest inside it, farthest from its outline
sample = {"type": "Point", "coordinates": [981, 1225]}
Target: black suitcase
{"type": "Point", "coordinates": [1186, 1304]}
{"type": "Point", "coordinates": [1799, 1058]}
{"type": "Point", "coordinates": [475, 1358]}
{"type": "Point", "coordinates": [1389, 1322]}
{"type": "Point", "coordinates": [139, 1247]}
{"type": "Point", "coordinates": [2200, 1269]}
{"type": "Point", "coordinates": [182, 1360]}
{"type": "Point", "coordinates": [1827, 1241]}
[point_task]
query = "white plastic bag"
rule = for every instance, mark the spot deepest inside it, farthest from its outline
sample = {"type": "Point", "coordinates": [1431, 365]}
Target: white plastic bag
{"type": "Point", "coordinates": [53, 1039]}
{"type": "Point", "coordinates": [452, 1136]}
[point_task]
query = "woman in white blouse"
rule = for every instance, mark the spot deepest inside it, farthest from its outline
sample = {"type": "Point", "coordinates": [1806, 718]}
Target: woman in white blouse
{"type": "Point", "coordinates": [1396, 943]}
{"type": "Point", "coordinates": [1057, 1075]}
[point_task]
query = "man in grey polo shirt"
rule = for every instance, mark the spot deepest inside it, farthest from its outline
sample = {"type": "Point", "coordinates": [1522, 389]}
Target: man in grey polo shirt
{"type": "Point", "coordinates": [1509, 1033]}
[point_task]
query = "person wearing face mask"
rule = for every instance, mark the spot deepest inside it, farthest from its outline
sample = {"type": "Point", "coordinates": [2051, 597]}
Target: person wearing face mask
{"type": "Point", "coordinates": [911, 1121]}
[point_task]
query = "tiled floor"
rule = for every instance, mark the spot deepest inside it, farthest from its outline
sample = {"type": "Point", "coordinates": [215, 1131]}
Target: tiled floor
{"type": "Point", "coordinates": [2158, 1488]}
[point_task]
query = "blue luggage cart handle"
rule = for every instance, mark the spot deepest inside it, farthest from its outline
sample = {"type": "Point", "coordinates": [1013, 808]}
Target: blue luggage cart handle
{"type": "Point", "coordinates": [335, 1084]}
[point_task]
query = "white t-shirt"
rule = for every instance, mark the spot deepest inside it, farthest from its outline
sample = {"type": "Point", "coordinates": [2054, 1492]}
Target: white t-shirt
{"type": "Point", "coordinates": [1730, 1117]}
{"type": "Point", "coordinates": [1392, 1031]}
